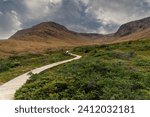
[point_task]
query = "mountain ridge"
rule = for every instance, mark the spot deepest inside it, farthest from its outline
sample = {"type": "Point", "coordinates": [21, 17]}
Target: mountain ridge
{"type": "Point", "coordinates": [133, 26]}
{"type": "Point", "coordinates": [51, 29]}
{"type": "Point", "coordinates": [52, 36]}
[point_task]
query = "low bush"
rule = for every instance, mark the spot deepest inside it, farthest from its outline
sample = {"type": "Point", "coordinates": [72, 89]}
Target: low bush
{"type": "Point", "coordinates": [117, 71]}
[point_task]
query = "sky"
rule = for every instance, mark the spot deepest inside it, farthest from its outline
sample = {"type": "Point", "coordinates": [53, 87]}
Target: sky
{"type": "Point", "coordinates": [94, 16]}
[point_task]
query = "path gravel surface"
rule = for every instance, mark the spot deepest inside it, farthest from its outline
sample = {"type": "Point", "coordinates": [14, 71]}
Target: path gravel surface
{"type": "Point", "coordinates": [8, 89]}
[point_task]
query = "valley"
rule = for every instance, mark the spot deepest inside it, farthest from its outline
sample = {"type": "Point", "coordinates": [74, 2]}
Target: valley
{"type": "Point", "coordinates": [113, 66]}
{"type": "Point", "coordinates": [53, 36]}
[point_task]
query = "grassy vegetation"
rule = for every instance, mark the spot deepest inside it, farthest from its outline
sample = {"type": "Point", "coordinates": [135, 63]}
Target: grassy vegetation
{"type": "Point", "coordinates": [117, 71]}
{"type": "Point", "coordinates": [17, 65]}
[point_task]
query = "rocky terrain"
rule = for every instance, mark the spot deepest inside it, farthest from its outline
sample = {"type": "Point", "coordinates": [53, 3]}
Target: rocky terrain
{"type": "Point", "coordinates": [133, 27]}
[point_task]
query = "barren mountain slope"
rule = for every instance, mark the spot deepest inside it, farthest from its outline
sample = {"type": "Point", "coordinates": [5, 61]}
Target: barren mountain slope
{"type": "Point", "coordinates": [50, 35]}
{"type": "Point", "coordinates": [133, 27]}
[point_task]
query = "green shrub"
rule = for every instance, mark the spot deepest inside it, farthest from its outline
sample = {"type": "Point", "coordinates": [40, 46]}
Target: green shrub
{"type": "Point", "coordinates": [117, 71]}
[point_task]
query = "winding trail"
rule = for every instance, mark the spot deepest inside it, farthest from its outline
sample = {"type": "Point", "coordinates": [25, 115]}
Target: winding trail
{"type": "Point", "coordinates": [8, 89]}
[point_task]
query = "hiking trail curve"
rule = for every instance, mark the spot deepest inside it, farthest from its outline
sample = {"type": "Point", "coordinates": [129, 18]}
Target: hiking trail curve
{"type": "Point", "coordinates": [8, 89]}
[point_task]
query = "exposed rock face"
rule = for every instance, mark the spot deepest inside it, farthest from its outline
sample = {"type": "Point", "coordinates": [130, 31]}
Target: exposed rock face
{"type": "Point", "coordinates": [132, 27]}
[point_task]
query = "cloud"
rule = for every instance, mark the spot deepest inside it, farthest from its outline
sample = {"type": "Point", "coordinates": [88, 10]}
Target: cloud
{"type": "Point", "coordinates": [72, 13]}
{"type": "Point", "coordinates": [36, 10]}
{"type": "Point", "coordinates": [97, 16]}
{"type": "Point", "coordinates": [9, 24]}
{"type": "Point", "coordinates": [55, 1]}
{"type": "Point", "coordinates": [118, 12]}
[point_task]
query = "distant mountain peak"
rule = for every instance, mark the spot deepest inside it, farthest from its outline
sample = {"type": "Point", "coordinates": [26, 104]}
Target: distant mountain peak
{"type": "Point", "coordinates": [50, 25]}
{"type": "Point", "coordinates": [132, 27]}
{"type": "Point", "coordinates": [48, 30]}
{"type": "Point", "coordinates": [51, 29]}
{"type": "Point", "coordinates": [42, 30]}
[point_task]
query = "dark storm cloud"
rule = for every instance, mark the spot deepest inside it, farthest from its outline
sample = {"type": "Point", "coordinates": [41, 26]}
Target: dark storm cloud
{"type": "Point", "coordinates": [72, 13]}
{"type": "Point", "coordinates": [100, 16]}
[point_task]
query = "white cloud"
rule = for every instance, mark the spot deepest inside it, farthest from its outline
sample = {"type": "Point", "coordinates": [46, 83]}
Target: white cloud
{"type": "Point", "coordinates": [1, 13]}
{"type": "Point", "coordinates": [15, 20]}
{"type": "Point", "coordinates": [118, 12]}
{"type": "Point", "coordinates": [37, 12]}
{"type": "Point", "coordinates": [101, 16]}
{"type": "Point", "coordinates": [9, 24]}
{"type": "Point", "coordinates": [55, 1]}
{"type": "Point", "coordinates": [36, 9]}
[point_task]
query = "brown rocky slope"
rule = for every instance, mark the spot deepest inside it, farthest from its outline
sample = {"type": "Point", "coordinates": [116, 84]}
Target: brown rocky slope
{"type": "Point", "coordinates": [133, 27]}
{"type": "Point", "coordinates": [50, 35]}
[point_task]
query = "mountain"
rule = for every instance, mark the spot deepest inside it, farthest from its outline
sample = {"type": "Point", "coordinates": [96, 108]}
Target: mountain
{"type": "Point", "coordinates": [51, 30]}
{"type": "Point", "coordinates": [45, 36]}
{"type": "Point", "coordinates": [44, 30]}
{"type": "Point", "coordinates": [47, 30]}
{"type": "Point", "coordinates": [52, 36]}
{"type": "Point", "coordinates": [133, 27]}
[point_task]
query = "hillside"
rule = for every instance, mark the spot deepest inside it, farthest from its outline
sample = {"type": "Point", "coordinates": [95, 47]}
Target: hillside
{"type": "Point", "coordinates": [44, 36]}
{"type": "Point", "coordinates": [48, 30]}
{"type": "Point", "coordinates": [52, 29]}
{"type": "Point", "coordinates": [53, 36]}
{"type": "Point", "coordinates": [117, 71]}
{"type": "Point", "coordinates": [113, 66]}
{"type": "Point", "coordinates": [133, 27]}
{"type": "Point", "coordinates": [19, 64]}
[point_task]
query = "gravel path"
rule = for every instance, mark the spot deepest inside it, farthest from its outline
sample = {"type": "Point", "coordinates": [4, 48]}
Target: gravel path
{"type": "Point", "coordinates": [8, 89]}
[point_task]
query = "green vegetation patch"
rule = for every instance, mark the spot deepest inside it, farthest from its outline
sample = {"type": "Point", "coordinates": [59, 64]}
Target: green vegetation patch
{"type": "Point", "coordinates": [117, 71]}
{"type": "Point", "coordinates": [19, 64]}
